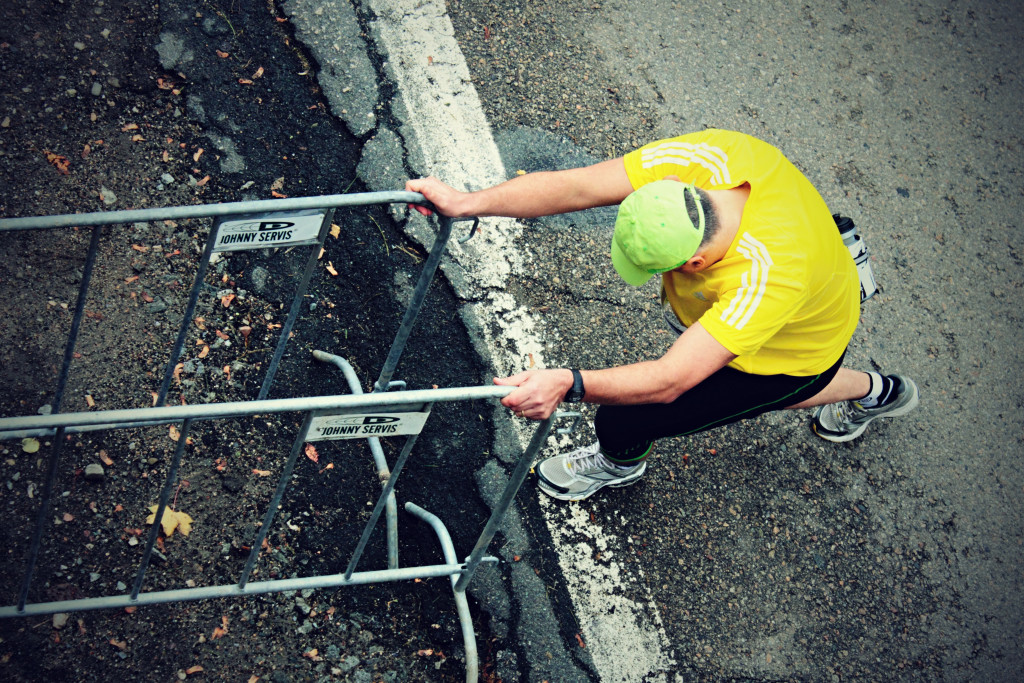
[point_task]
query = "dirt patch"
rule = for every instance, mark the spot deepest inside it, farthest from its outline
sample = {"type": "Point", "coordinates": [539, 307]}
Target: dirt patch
{"type": "Point", "coordinates": [94, 117]}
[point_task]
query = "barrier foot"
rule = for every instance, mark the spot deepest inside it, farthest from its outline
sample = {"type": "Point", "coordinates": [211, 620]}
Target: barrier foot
{"type": "Point", "coordinates": [461, 604]}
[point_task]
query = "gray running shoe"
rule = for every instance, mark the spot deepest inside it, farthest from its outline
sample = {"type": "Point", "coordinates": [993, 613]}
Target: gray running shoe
{"type": "Point", "coordinates": [846, 420]}
{"type": "Point", "coordinates": [583, 472]}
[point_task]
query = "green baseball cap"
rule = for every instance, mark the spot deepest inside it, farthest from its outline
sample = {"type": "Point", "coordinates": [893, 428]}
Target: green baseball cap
{"type": "Point", "coordinates": [654, 233]}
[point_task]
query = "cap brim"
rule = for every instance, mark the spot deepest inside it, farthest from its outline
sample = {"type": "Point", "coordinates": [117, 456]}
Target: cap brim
{"type": "Point", "coordinates": [626, 269]}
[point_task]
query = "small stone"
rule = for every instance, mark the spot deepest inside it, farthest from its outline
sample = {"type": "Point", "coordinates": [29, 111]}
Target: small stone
{"type": "Point", "coordinates": [6, 123]}
{"type": "Point", "coordinates": [60, 619]}
{"type": "Point", "coordinates": [167, 178]}
{"type": "Point", "coordinates": [71, 92]}
{"type": "Point", "coordinates": [108, 197]}
{"type": "Point", "coordinates": [97, 89]}
{"type": "Point", "coordinates": [94, 472]}
{"type": "Point", "coordinates": [94, 576]}
{"type": "Point", "coordinates": [79, 45]}
{"type": "Point", "coordinates": [105, 33]}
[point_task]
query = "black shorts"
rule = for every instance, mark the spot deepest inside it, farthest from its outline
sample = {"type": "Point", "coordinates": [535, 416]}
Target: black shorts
{"type": "Point", "coordinates": [627, 432]}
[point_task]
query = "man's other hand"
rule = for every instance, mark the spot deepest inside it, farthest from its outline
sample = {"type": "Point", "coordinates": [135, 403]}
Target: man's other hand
{"type": "Point", "coordinates": [446, 199]}
{"type": "Point", "coordinates": [539, 393]}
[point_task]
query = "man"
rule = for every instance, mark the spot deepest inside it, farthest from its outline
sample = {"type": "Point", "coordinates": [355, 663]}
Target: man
{"type": "Point", "coordinates": [753, 267]}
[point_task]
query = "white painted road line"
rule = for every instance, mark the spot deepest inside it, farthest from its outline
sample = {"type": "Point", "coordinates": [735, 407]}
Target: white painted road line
{"type": "Point", "coordinates": [625, 638]}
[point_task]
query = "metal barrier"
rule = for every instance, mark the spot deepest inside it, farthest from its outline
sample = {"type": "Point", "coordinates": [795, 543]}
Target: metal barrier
{"type": "Point", "coordinates": [263, 224]}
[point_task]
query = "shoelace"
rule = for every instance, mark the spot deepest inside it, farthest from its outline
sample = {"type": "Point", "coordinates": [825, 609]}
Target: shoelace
{"type": "Point", "coordinates": [846, 412]}
{"type": "Point", "coordinates": [585, 460]}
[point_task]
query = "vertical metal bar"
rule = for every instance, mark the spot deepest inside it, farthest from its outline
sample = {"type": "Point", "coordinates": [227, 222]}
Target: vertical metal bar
{"type": "Point", "coordinates": [385, 495]}
{"type": "Point", "coordinates": [416, 302]}
{"type": "Point", "coordinates": [44, 508]}
{"type": "Point", "coordinates": [461, 604]}
{"type": "Point", "coordinates": [515, 481]}
{"type": "Point", "coordinates": [58, 398]}
{"type": "Point", "coordinates": [190, 310]}
{"type": "Point", "coordinates": [293, 314]}
{"type": "Point", "coordinates": [76, 321]}
{"type": "Point", "coordinates": [268, 518]}
{"type": "Point", "coordinates": [165, 495]}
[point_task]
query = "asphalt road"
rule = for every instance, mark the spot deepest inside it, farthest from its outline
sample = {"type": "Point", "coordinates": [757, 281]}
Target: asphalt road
{"type": "Point", "coordinates": [765, 554]}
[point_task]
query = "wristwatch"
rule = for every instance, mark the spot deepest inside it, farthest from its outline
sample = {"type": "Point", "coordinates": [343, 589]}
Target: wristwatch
{"type": "Point", "coordinates": [575, 394]}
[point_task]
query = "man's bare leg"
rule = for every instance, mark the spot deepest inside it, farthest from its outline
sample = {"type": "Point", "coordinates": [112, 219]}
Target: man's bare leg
{"type": "Point", "coordinates": [846, 385]}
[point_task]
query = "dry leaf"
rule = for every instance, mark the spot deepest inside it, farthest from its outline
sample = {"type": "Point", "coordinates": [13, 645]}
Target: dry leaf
{"type": "Point", "coordinates": [90, 401]}
{"type": "Point", "coordinates": [177, 372]}
{"type": "Point", "coordinates": [68, 517]}
{"type": "Point", "coordinates": [202, 182]}
{"type": "Point", "coordinates": [193, 670]}
{"type": "Point", "coordinates": [174, 433]}
{"type": "Point", "coordinates": [275, 193]}
{"type": "Point", "coordinates": [29, 445]}
{"type": "Point", "coordinates": [226, 300]}
{"type": "Point", "coordinates": [222, 54]}
{"type": "Point", "coordinates": [106, 459]}
{"type": "Point", "coordinates": [156, 397]}
{"type": "Point", "coordinates": [130, 126]}
{"type": "Point", "coordinates": [200, 323]}
{"type": "Point", "coordinates": [221, 334]}
{"type": "Point", "coordinates": [262, 473]}
{"type": "Point", "coordinates": [277, 184]}
{"type": "Point", "coordinates": [119, 644]}
{"type": "Point", "coordinates": [139, 247]}
{"type": "Point", "coordinates": [245, 81]}
{"type": "Point", "coordinates": [258, 74]}
{"type": "Point", "coordinates": [60, 163]}
{"type": "Point", "coordinates": [313, 654]}
{"type": "Point", "coordinates": [129, 280]}
{"type": "Point", "coordinates": [171, 520]}
{"type": "Point", "coordinates": [218, 632]}
{"type": "Point", "coordinates": [199, 153]}
{"type": "Point", "coordinates": [331, 270]}
{"type": "Point", "coordinates": [137, 138]}
{"type": "Point", "coordinates": [311, 453]}
{"type": "Point", "coordinates": [335, 230]}
{"type": "Point", "coordinates": [205, 352]}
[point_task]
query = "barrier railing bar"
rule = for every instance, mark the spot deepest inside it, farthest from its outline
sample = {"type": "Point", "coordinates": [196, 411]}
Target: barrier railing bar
{"type": "Point", "coordinates": [76, 321]}
{"type": "Point", "coordinates": [385, 494]}
{"type": "Point", "coordinates": [165, 495]}
{"type": "Point", "coordinates": [211, 210]}
{"type": "Point", "coordinates": [498, 512]}
{"type": "Point", "coordinates": [416, 302]}
{"type": "Point", "coordinates": [208, 411]}
{"type": "Point", "coordinates": [268, 518]}
{"type": "Point", "coordinates": [293, 314]}
{"type": "Point", "coordinates": [44, 508]}
{"type": "Point", "coordinates": [190, 310]}
{"type": "Point", "coordinates": [379, 460]}
{"type": "Point", "coordinates": [58, 398]}
{"type": "Point", "coordinates": [461, 604]}
{"type": "Point", "coordinates": [233, 590]}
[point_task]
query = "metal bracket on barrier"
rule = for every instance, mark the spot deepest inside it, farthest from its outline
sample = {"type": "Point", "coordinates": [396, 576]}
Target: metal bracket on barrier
{"type": "Point", "coordinates": [575, 423]}
{"type": "Point", "coordinates": [472, 229]}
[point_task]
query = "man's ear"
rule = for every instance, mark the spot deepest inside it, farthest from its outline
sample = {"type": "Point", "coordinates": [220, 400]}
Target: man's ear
{"type": "Point", "coordinates": [697, 263]}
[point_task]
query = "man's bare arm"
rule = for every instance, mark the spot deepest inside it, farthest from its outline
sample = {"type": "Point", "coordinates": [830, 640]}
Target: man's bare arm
{"type": "Point", "coordinates": [694, 357]}
{"type": "Point", "coordinates": [535, 194]}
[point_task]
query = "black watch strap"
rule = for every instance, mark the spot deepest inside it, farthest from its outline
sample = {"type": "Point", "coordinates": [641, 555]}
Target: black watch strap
{"type": "Point", "coordinates": [575, 394]}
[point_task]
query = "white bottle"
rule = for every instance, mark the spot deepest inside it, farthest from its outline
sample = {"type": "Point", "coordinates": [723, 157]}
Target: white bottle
{"type": "Point", "coordinates": [859, 252]}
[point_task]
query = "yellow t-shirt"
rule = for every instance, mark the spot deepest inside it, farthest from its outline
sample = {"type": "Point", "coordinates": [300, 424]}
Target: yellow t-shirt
{"type": "Point", "coordinates": [785, 298]}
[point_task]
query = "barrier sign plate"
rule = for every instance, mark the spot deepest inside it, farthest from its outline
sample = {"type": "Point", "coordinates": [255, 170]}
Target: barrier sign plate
{"type": "Point", "coordinates": [333, 427]}
{"type": "Point", "coordinates": [269, 230]}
